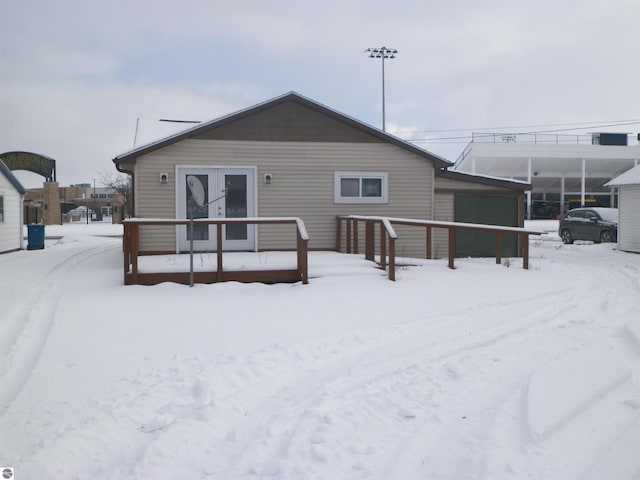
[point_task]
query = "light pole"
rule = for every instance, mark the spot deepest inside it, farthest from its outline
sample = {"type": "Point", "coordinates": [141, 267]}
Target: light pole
{"type": "Point", "coordinates": [382, 53]}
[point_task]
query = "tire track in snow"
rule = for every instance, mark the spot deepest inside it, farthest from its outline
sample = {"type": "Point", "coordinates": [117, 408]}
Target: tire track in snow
{"type": "Point", "coordinates": [313, 387]}
{"type": "Point", "coordinates": [284, 408]}
{"type": "Point", "coordinates": [506, 450]}
{"type": "Point", "coordinates": [33, 318]}
{"type": "Point", "coordinates": [545, 320]}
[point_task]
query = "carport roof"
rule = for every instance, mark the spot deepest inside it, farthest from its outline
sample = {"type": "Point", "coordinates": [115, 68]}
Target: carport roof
{"type": "Point", "coordinates": [551, 163]}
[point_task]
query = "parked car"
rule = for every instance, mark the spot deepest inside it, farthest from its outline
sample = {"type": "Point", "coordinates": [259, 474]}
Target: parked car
{"type": "Point", "coordinates": [597, 224]}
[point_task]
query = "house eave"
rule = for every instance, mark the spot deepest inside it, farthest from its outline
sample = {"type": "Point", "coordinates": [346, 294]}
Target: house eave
{"type": "Point", "coordinates": [130, 156]}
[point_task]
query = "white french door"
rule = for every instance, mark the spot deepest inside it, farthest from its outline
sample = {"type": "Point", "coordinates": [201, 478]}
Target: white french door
{"type": "Point", "coordinates": [207, 192]}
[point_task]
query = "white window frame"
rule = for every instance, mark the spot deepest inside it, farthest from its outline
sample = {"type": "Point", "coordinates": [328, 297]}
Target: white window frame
{"type": "Point", "coordinates": [338, 176]}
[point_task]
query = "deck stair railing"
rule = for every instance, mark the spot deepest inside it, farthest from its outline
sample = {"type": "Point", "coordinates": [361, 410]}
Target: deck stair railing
{"type": "Point", "coordinates": [387, 232]}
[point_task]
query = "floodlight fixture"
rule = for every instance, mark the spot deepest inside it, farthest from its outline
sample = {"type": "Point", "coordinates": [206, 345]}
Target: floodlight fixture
{"type": "Point", "coordinates": [382, 53]}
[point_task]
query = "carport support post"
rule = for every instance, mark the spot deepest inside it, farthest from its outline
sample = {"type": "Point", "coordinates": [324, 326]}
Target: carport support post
{"type": "Point", "coordinates": [612, 197]}
{"type": "Point", "coordinates": [529, 192]}
{"type": "Point", "coordinates": [562, 195]}
{"type": "Point", "coordinates": [582, 182]}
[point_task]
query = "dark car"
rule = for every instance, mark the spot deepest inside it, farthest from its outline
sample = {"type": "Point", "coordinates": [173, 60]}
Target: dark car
{"type": "Point", "coordinates": [597, 224]}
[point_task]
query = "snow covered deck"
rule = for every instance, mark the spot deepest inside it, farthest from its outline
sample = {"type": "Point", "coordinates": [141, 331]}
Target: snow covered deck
{"type": "Point", "coordinates": [210, 268]}
{"type": "Point", "coordinates": [277, 267]}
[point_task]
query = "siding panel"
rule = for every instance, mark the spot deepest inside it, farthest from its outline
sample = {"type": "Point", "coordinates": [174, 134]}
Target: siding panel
{"type": "Point", "coordinates": [302, 185]}
{"type": "Point", "coordinates": [10, 228]}
{"type": "Point", "coordinates": [444, 212]}
{"type": "Point", "coordinates": [629, 223]}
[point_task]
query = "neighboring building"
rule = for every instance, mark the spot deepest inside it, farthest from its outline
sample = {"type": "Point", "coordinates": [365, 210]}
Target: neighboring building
{"type": "Point", "coordinates": [291, 156]}
{"type": "Point", "coordinates": [98, 200]}
{"type": "Point", "coordinates": [11, 194]}
{"type": "Point", "coordinates": [628, 185]}
{"type": "Point", "coordinates": [565, 171]}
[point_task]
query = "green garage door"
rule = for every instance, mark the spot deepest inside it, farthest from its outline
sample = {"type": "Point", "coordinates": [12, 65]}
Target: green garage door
{"type": "Point", "coordinates": [490, 210]}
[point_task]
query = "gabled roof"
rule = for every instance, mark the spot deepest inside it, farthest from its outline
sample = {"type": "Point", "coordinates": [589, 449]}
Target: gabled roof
{"type": "Point", "coordinates": [208, 130]}
{"type": "Point", "coordinates": [630, 177]}
{"type": "Point", "coordinates": [4, 170]}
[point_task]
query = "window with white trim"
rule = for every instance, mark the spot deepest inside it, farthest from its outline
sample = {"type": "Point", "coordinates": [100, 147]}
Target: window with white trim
{"type": "Point", "coordinates": [360, 187]}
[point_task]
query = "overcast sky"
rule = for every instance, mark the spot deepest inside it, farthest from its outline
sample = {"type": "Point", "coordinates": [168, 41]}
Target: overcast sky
{"type": "Point", "coordinates": [76, 75]}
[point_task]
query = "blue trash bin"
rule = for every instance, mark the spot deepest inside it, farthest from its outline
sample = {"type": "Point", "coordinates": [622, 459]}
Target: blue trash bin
{"type": "Point", "coordinates": [35, 236]}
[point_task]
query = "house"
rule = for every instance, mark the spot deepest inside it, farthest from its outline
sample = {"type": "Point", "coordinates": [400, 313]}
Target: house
{"type": "Point", "coordinates": [628, 185]}
{"type": "Point", "coordinates": [11, 195]}
{"type": "Point", "coordinates": [565, 171]}
{"type": "Point", "coordinates": [291, 156]}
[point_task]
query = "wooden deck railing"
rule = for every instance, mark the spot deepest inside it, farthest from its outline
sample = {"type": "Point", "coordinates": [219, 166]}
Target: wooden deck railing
{"type": "Point", "coordinates": [131, 248]}
{"type": "Point", "coordinates": [387, 235]}
{"type": "Point", "coordinates": [352, 240]}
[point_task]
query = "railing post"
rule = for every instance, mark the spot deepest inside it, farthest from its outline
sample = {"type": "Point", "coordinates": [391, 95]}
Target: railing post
{"type": "Point", "coordinates": [355, 237]}
{"type": "Point", "coordinates": [498, 247]}
{"type": "Point", "coordinates": [303, 265]}
{"type": "Point", "coordinates": [429, 248]}
{"type": "Point", "coordinates": [369, 240]}
{"type": "Point", "coordinates": [348, 239]}
{"type": "Point", "coordinates": [135, 237]}
{"type": "Point", "coordinates": [452, 246]}
{"type": "Point", "coordinates": [302, 247]}
{"type": "Point", "coordinates": [383, 246]}
{"type": "Point", "coordinates": [338, 234]}
{"type": "Point", "coordinates": [392, 259]}
{"type": "Point", "coordinates": [525, 250]}
{"type": "Point", "coordinates": [219, 251]}
{"type": "Point", "coordinates": [126, 249]}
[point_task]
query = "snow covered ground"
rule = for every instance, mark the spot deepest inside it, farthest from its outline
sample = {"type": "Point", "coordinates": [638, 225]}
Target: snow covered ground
{"type": "Point", "coordinates": [483, 372]}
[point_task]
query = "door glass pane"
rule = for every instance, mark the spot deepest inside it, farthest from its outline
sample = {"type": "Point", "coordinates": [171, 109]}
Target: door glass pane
{"type": "Point", "coordinates": [349, 187]}
{"type": "Point", "coordinates": [235, 205]}
{"type": "Point", "coordinates": [197, 191]}
{"type": "Point", "coordinates": [372, 187]}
